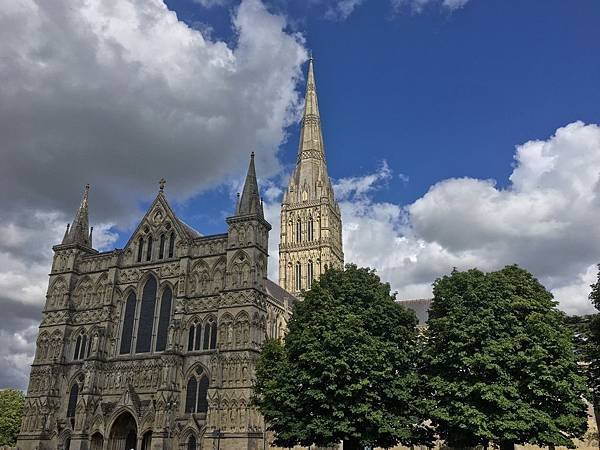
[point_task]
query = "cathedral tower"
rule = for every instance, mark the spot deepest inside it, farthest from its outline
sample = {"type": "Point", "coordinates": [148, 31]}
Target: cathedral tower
{"type": "Point", "coordinates": [311, 225]}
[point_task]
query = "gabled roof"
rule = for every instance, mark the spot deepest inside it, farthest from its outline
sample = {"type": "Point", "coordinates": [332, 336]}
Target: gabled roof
{"type": "Point", "coordinates": [185, 231]}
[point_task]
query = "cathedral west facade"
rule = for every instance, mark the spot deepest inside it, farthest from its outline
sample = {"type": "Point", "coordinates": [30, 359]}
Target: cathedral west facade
{"type": "Point", "coordinates": [153, 346]}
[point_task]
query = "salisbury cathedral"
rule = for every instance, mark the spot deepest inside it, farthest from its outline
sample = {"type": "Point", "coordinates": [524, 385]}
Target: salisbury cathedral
{"type": "Point", "coordinates": [153, 346]}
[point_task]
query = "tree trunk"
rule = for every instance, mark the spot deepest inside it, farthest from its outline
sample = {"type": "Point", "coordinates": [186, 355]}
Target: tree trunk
{"type": "Point", "coordinates": [352, 444]}
{"type": "Point", "coordinates": [506, 445]}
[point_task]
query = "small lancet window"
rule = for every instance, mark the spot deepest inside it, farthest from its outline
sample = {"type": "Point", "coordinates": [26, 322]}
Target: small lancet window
{"type": "Point", "coordinates": [196, 398]}
{"type": "Point", "coordinates": [299, 230]}
{"type": "Point", "coordinates": [73, 396]}
{"type": "Point", "coordinates": [298, 276]}
{"type": "Point", "coordinates": [310, 230]}
{"type": "Point", "coordinates": [149, 251]}
{"type": "Point", "coordinates": [309, 274]}
{"type": "Point", "coordinates": [172, 245]}
{"type": "Point", "coordinates": [161, 250]}
{"type": "Point", "coordinates": [140, 249]}
{"type": "Point", "coordinates": [81, 347]}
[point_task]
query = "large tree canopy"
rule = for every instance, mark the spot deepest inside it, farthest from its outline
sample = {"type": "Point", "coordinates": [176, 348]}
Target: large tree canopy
{"type": "Point", "coordinates": [346, 370]}
{"type": "Point", "coordinates": [500, 364]}
{"type": "Point", "coordinates": [11, 409]}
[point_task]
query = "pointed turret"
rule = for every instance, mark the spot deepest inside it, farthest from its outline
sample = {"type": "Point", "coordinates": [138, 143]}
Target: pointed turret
{"type": "Point", "coordinates": [79, 232]}
{"type": "Point", "coordinates": [249, 202]}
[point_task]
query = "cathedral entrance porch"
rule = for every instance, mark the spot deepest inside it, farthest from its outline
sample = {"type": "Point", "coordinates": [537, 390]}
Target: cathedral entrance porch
{"type": "Point", "coordinates": [123, 434]}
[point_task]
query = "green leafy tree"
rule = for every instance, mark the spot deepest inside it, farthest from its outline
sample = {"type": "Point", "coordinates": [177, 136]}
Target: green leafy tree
{"type": "Point", "coordinates": [593, 352]}
{"type": "Point", "coordinates": [500, 362]}
{"type": "Point", "coordinates": [11, 410]}
{"type": "Point", "coordinates": [346, 370]}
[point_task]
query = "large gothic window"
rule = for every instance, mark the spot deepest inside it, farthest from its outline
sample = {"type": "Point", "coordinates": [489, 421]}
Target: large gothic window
{"type": "Point", "coordinates": [298, 276]}
{"type": "Point", "coordinates": [127, 330]}
{"type": "Point", "coordinates": [73, 396]}
{"type": "Point", "coordinates": [146, 321]}
{"type": "Point", "coordinates": [309, 274]}
{"type": "Point", "coordinates": [210, 335]}
{"type": "Point", "coordinates": [196, 396]}
{"type": "Point", "coordinates": [164, 319]}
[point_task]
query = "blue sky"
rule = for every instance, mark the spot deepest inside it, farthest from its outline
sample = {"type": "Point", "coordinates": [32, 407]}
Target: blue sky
{"type": "Point", "coordinates": [437, 94]}
{"type": "Point", "coordinates": [459, 133]}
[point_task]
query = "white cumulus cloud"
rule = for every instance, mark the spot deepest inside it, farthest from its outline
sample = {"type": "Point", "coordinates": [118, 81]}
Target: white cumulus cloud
{"type": "Point", "coordinates": [545, 220]}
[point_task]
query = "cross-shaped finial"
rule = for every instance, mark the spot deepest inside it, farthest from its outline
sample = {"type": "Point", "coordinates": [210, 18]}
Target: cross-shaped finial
{"type": "Point", "coordinates": [161, 184]}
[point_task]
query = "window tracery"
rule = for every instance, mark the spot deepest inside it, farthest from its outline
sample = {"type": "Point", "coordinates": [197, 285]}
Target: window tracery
{"type": "Point", "coordinates": [196, 398]}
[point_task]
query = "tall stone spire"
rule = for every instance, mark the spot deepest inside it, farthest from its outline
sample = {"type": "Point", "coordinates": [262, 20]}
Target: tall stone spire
{"type": "Point", "coordinates": [79, 231]}
{"type": "Point", "coordinates": [311, 136]}
{"type": "Point", "coordinates": [249, 202]}
{"type": "Point", "coordinates": [311, 225]}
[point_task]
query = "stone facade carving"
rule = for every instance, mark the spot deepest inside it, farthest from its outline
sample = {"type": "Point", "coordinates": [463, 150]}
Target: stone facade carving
{"type": "Point", "coordinates": [201, 303]}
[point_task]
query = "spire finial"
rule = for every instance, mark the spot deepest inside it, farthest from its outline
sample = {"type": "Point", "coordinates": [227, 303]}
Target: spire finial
{"type": "Point", "coordinates": [310, 55]}
{"type": "Point", "coordinates": [78, 233]}
{"type": "Point", "coordinates": [161, 184]}
{"type": "Point", "coordinates": [249, 202]}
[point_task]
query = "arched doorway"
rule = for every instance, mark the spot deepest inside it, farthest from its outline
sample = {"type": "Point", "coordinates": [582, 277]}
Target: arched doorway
{"type": "Point", "coordinates": [147, 440]}
{"type": "Point", "coordinates": [97, 441]}
{"type": "Point", "coordinates": [123, 434]}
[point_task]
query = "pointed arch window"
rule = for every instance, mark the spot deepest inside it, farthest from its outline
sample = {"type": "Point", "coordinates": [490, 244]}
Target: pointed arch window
{"type": "Point", "coordinates": [164, 319]}
{"type": "Point", "coordinates": [140, 249]}
{"type": "Point", "coordinates": [127, 327]}
{"type": "Point", "coordinates": [298, 276]}
{"type": "Point", "coordinates": [161, 250]}
{"type": "Point", "coordinates": [311, 229]}
{"type": "Point", "coordinates": [210, 335]}
{"type": "Point", "coordinates": [196, 396]}
{"type": "Point", "coordinates": [194, 337]}
{"type": "Point", "coordinates": [309, 274]}
{"type": "Point", "coordinates": [81, 347]}
{"type": "Point", "coordinates": [171, 245]}
{"type": "Point", "coordinates": [149, 249]}
{"type": "Point", "coordinates": [146, 320]}
{"type": "Point", "coordinates": [298, 230]}
{"type": "Point", "coordinates": [191, 335]}
{"type": "Point", "coordinates": [73, 397]}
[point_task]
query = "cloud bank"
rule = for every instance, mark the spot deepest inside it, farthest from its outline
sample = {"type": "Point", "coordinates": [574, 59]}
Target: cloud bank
{"type": "Point", "coordinates": [120, 93]}
{"type": "Point", "coordinates": [545, 221]}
